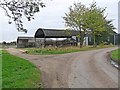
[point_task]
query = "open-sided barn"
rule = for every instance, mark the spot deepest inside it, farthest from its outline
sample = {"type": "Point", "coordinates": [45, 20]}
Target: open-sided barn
{"type": "Point", "coordinates": [54, 33]}
{"type": "Point", "coordinates": [43, 37]}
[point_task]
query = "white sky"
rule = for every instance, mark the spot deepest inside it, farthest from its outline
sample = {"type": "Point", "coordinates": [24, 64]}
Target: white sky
{"type": "Point", "coordinates": [51, 17]}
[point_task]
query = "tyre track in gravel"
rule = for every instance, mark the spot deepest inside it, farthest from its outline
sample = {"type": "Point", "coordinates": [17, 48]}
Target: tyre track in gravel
{"type": "Point", "coordinates": [87, 69]}
{"type": "Point", "coordinates": [92, 70]}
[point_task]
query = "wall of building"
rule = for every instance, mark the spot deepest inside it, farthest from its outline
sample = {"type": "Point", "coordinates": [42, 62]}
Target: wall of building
{"type": "Point", "coordinates": [22, 43]}
{"type": "Point", "coordinates": [74, 41]}
{"type": "Point", "coordinates": [39, 42]}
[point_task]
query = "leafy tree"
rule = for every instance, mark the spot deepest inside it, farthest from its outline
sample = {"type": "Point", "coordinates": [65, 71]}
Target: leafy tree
{"type": "Point", "coordinates": [74, 17]}
{"type": "Point", "coordinates": [15, 9]}
{"type": "Point", "coordinates": [97, 23]}
{"type": "Point", "coordinates": [88, 20]}
{"type": "Point", "coordinates": [103, 36]}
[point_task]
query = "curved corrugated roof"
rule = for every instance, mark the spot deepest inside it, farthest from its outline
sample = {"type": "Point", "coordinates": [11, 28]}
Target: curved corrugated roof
{"type": "Point", "coordinates": [54, 33]}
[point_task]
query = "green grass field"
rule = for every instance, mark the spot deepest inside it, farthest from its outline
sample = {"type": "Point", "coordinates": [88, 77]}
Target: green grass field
{"type": "Point", "coordinates": [0, 69]}
{"type": "Point", "coordinates": [62, 50]}
{"type": "Point", "coordinates": [19, 73]}
{"type": "Point", "coordinates": [116, 54]}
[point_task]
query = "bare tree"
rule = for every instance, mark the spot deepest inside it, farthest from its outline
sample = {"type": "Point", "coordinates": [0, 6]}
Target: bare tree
{"type": "Point", "coordinates": [15, 9]}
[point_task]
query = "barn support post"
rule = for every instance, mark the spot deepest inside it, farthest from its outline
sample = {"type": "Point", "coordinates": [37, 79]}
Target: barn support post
{"type": "Point", "coordinates": [44, 42]}
{"type": "Point", "coordinates": [35, 42]}
{"type": "Point", "coordinates": [56, 42]}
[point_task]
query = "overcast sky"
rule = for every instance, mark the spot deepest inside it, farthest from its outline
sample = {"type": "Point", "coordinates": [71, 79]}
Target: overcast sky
{"type": "Point", "coordinates": [51, 17]}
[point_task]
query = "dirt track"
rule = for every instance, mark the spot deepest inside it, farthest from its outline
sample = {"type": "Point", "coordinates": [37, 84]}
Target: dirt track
{"type": "Point", "coordinates": [88, 69]}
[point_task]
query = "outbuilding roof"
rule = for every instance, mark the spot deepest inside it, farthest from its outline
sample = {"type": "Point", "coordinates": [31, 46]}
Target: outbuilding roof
{"type": "Point", "coordinates": [23, 37]}
{"type": "Point", "coordinates": [54, 33]}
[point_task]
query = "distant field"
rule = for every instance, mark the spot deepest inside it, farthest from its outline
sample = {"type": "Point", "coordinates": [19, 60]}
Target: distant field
{"type": "Point", "coordinates": [62, 50]}
{"type": "Point", "coordinates": [19, 73]}
{"type": "Point", "coordinates": [116, 54]}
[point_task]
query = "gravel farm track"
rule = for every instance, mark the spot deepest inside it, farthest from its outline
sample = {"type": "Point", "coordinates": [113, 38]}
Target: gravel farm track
{"type": "Point", "coordinates": [85, 69]}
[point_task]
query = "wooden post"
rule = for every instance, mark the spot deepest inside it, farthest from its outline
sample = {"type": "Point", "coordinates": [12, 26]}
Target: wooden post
{"type": "Point", "coordinates": [44, 42]}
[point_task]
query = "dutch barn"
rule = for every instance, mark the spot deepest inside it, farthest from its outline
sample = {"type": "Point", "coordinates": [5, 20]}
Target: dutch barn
{"type": "Point", "coordinates": [54, 33]}
{"type": "Point", "coordinates": [44, 37]}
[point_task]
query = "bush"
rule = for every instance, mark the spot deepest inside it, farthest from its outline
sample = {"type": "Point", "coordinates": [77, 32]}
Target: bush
{"type": "Point", "coordinates": [111, 44]}
{"type": "Point", "coordinates": [104, 43]}
{"type": "Point", "coordinates": [101, 45]}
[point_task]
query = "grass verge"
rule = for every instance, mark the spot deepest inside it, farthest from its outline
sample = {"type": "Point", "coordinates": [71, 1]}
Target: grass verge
{"type": "Point", "coordinates": [115, 54]}
{"type": "Point", "coordinates": [19, 73]}
{"type": "Point", "coordinates": [0, 69]}
{"type": "Point", "coordinates": [62, 50]}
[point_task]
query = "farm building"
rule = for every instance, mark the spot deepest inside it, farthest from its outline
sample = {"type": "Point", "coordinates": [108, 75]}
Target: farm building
{"type": "Point", "coordinates": [43, 37]}
{"type": "Point", "coordinates": [23, 42]}
{"type": "Point", "coordinates": [50, 37]}
{"type": "Point", "coordinates": [54, 33]}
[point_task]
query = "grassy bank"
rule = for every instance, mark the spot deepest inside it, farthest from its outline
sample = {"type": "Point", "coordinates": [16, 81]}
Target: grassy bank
{"type": "Point", "coordinates": [19, 73]}
{"type": "Point", "coordinates": [0, 69]}
{"type": "Point", "coordinates": [115, 54]}
{"type": "Point", "coordinates": [62, 50]}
